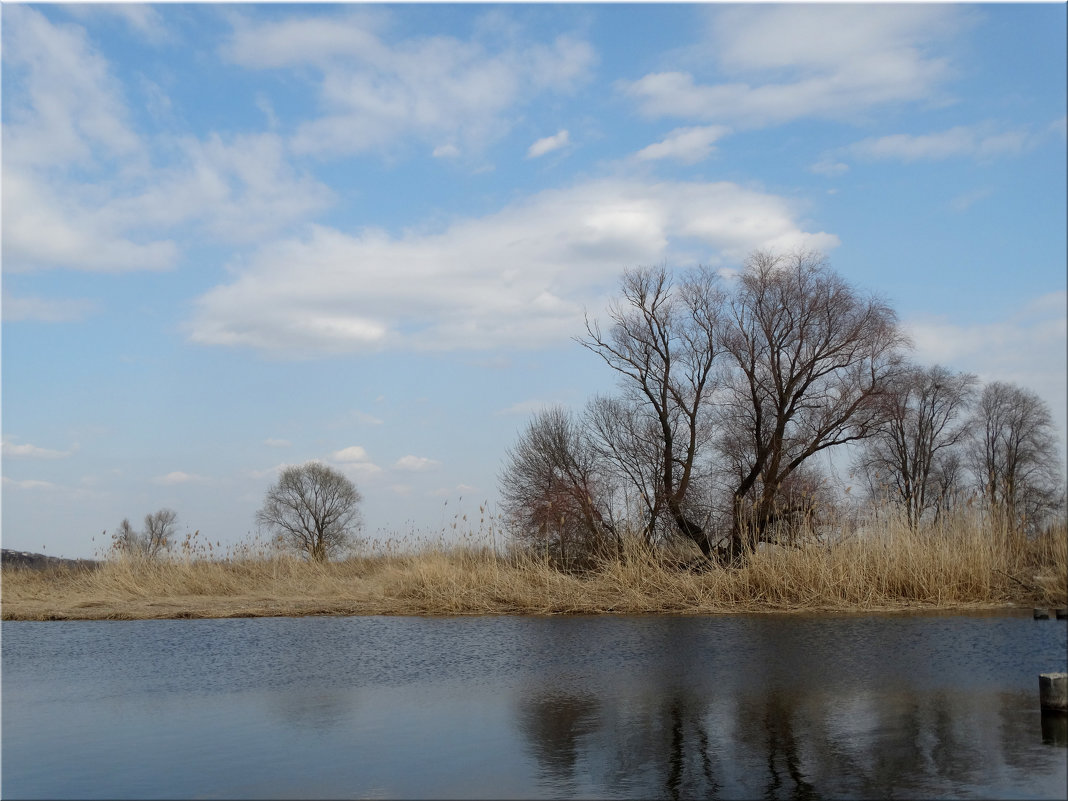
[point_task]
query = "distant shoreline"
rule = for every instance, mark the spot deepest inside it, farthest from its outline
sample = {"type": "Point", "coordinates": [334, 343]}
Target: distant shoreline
{"type": "Point", "coordinates": [239, 611]}
{"type": "Point", "coordinates": [40, 561]}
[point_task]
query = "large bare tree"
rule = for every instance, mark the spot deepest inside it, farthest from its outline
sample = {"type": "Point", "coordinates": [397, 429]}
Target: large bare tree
{"type": "Point", "coordinates": [1013, 456]}
{"type": "Point", "coordinates": [811, 361]}
{"type": "Point", "coordinates": [663, 343]}
{"type": "Point", "coordinates": [554, 490]}
{"type": "Point", "coordinates": [313, 508]}
{"type": "Point", "coordinates": [913, 456]}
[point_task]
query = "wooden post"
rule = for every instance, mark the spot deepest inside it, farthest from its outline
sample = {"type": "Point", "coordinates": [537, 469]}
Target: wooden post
{"type": "Point", "coordinates": [1053, 691]}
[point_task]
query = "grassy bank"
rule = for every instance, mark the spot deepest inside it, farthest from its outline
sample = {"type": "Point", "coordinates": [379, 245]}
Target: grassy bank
{"type": "Point", "coordinates": [891, 568]}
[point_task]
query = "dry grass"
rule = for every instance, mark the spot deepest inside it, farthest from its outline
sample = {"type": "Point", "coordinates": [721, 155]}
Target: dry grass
{"type": "Point", "coordinates": [961, 564]}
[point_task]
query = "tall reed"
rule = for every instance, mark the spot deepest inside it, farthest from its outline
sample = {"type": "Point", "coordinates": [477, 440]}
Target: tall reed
{"type": "Point", "coordinates": [883, 564]}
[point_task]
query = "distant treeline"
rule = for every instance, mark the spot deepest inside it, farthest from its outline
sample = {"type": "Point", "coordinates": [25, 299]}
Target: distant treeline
{"type": "Point", "coordinates": [38, 561]}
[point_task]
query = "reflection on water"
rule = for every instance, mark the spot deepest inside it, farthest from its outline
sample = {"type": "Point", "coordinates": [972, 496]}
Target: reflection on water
{"type": "Point", "coordinates": [1054, 728]}
{"type": "Point", "coordinates": [727, 707]}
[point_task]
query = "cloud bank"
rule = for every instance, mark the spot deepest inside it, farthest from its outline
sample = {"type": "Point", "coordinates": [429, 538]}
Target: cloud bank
{"type": "Point", "coordinates": [521, 277]}
{"type": "Point", "coordinates": [789, 62]}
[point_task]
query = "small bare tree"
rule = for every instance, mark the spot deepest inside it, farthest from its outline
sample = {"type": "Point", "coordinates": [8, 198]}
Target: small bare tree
{"type": "Point", "coordinates": [313, 508]}
{"type": "Point", "coordinates": [663, 343]}
{"type": "Point", "coordinates": [811, 362]}
{"type": "Point", "coordinates": [158, 534]}
{"type": "Point", "coordinates": [913, 454]}
{"type": "Point", "coordinates": [1013, 455]}
{"type": "Point", "coordinates": [157, 537]}
{"type": "Point", "coordinates": [126, 540]}
{"type": "Point", "coordinates": [555, 493]}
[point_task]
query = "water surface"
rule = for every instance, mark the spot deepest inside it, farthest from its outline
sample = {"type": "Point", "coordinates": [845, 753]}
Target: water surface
{"type": "Point", "coordinates": [771, 706]}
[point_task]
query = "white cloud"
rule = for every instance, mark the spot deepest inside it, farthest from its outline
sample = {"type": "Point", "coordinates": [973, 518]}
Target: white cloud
{"type": "Point", "coordinates": [548, 144]}
{"type": "Point", "coordinates": [794, 61]}
{"type": "Point", "coordinates": [688, 145]}
{"type": "Point", "coordinates": [360, 468]}
{"type": "Point", "coordinates": [526, 408]}
{"type": "Point", "coordinates": [28, 451]}
{"type": "Point", "coordinates": [332, 292]}
{"type": "Point", "coordinates": [376, 92]}
{"type": "Point", "coordinates": [304, 40]}
{"type": "Point", "coordinates": [270, 471]}
{"type": "Point", "coordinates": [240, 188]}
{"type": "Point", "coordinates": [178, 477]}
{"type": "Point", "coordinates": [354, 453]}
{"type": "Point", "coordinates": [829, 166]}
{"type": "Point", "coordinates": [1029, 346]}
{"type": "Point", "coordinates": [966, 200]}
{"type": "Point", "coordinates": [68, 108]}
{"type": "Point", "coordinates": [54, 226]}
{"type": "Point", "coordinates": [142, 18]}
{"type": "Point", "coordinates": [355, 459]}
{"type": "Point", "coordinates": [980, 142]}
{"type": "Point", "coordinates": [46, 310]}
{"type": "Point", "coordinates": [65, 111]}
{"type": "Point", "coordinates": [447, 151]}
{"type": "Point", "coordinates": [29, 484]}
{"type": "Point", "coordinates": [81, 190]}
{"type": "Point", "coordinates": [415, 464]}
{"type": "Point", "coordinates": [365, 418]}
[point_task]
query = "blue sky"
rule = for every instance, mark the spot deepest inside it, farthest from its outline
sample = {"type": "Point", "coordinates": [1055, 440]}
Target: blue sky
{"type": "Point", "coordinates": [241, 236]}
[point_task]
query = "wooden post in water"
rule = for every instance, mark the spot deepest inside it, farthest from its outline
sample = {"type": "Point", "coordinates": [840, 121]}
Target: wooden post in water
{"type": "Point", "coordinates": [1053, 691]}
{"type": "Point", "coordinates": [1041, 614]}
{"type": "Point", "coordinates": [1062, 614]}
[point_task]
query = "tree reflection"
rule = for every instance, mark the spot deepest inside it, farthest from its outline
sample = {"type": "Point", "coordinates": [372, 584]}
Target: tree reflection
{"type": "Point", "coordinates": [554, 723]}
{"type": "Point", "coordinates": [700, 779]}
{"type": "Point", "coordinates": [316, 711]}
{"type": "Point", "coordinates": [782, 750]}
{"type": "Point", "coordinates": [666, 746]}
{"type": "Point", "coordinates": [671, 742]}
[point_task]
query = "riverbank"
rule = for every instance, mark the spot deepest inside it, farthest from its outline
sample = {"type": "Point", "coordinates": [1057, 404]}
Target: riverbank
{"type": "Point", "coordinates": [955, 569]}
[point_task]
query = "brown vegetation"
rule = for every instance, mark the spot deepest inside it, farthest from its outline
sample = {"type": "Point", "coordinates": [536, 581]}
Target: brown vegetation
{"type": "Point", "coordinates": [883, 566]}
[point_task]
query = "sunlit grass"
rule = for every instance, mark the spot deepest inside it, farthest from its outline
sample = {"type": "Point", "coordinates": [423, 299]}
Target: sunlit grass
{"type": "Point", "coordinates": [882, 565]}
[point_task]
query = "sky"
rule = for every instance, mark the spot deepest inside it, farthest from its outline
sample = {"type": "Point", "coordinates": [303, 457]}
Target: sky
{"type": "Point", "coordinates": [237, 237]}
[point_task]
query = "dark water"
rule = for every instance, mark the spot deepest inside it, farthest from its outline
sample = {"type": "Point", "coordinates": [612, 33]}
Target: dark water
{"type": "Point", "coordinates": [603, 707]}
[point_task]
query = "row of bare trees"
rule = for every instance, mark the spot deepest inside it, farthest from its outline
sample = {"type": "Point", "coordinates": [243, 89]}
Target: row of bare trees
{"type": "Point", "coordinates": [726, 393]}
{"type": "Point", "coordinates": [312, 509]}
{"type": "Point", "coordinates": [942, 439]}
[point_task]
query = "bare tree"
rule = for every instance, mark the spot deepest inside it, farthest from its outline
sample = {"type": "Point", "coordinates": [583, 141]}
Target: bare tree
{"type": "Point", "coordinates": [663, 343]}
{"type": "Point", "coordinates": [554, 490]}
{"type": "Point", "coordinates": [629, 445]}
{"type": "Point", "coordinates": [804, 504]}
{"type": "Point", "coordinates": [913, 455]}
{"type": "Point", "coordinates": [157, 537]}
{"type": "Point", "coordinates": [158, 534]}
{"type": "Point", "coordinates": [313, 508]}
{"type": "Point", "coordinates": [126, 539]}
{"type": "Point", "coordinates": [1014, 458]}
{"type": "Point", "coordinates": [812, 360]}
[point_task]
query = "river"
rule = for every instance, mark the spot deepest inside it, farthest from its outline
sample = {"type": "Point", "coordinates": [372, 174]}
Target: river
{"type": "Point", "coordinates": [740, 706]}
